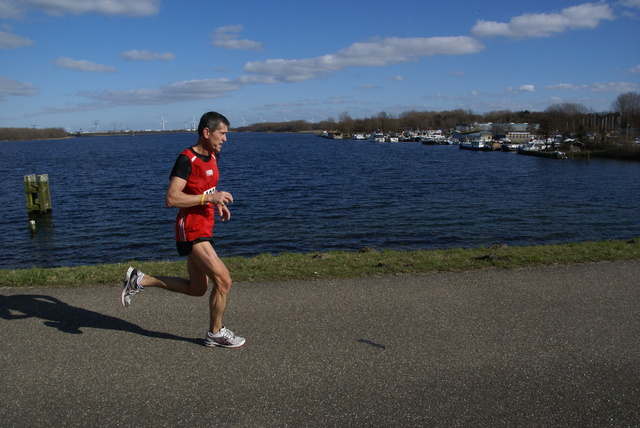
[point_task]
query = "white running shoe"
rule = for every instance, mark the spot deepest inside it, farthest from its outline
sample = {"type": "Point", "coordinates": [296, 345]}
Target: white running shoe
{"type": "Point", "coordinates": [225, 338]}
{"type": "Point", "coordinates": [131, 286]}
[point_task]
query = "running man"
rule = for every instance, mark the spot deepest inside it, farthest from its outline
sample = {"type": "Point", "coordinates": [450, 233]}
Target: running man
{"type": "Point", "coordinates": [192, 190]}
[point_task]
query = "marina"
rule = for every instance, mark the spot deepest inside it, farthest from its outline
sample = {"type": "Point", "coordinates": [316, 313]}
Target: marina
{"type": "Point", "coordinates": [530, 146]}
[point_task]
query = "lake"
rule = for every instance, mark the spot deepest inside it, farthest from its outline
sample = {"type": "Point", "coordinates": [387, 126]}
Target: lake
{"type": "Point", "coordinates": [300, 193]}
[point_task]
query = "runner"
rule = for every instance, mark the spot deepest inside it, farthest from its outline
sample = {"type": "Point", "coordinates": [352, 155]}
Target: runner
{"type": "Point", "coordinates": [192, 189]}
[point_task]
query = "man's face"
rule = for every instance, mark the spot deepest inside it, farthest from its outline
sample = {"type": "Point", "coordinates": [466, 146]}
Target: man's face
{"type": "Point", "coordinates": [217, 137]}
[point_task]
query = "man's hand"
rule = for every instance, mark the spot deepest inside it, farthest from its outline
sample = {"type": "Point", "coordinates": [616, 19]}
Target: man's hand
{"type": "Point", "coordinates": [224, 212]}
{"type": "Point", "coordinates": [220, 198]}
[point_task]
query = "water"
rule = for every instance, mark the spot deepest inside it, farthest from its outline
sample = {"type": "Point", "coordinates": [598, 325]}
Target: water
{"type": "Point", "coordinates": [300, 193]}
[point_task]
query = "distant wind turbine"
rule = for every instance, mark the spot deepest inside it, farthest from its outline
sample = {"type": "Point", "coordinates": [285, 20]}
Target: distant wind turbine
{"type": "Point", "coordinates": [244, 122]}
{"type": "Point", "coordinates": [162, 121]}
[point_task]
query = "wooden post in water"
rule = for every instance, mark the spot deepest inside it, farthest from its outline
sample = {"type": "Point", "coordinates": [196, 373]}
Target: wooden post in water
{"type": "Point", "coordinates": [44, 195]}
{"type": "Point", "coordinates": [31, 192]}
{"type": "Point", "coordinates": [36, 188]}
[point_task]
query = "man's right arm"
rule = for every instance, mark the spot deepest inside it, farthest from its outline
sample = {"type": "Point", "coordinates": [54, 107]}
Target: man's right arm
{"type": "Point", "coordinates": [176, 198]}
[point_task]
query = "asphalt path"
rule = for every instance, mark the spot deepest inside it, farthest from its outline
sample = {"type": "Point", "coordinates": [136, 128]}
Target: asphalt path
{"type": "Point", "coordinates": [554, 346]}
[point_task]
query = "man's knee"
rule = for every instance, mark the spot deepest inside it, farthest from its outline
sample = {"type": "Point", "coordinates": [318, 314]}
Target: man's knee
{"type": "Point", "coordinates": [223, 284]}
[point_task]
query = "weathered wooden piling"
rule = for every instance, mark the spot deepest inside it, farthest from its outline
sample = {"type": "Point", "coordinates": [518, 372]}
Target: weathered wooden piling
{"type": "Point", "coordinates": [36, 188]}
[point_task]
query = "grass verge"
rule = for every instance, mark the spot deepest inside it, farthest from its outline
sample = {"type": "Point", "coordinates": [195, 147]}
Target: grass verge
{"type": "Point", "coordinates": [341, 264]}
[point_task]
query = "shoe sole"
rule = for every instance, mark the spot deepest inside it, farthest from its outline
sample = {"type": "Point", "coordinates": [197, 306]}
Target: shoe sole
{"type": "Point", "coordinates": [219, 345]}
{"type": "Point", "coordinates": [124, 287]}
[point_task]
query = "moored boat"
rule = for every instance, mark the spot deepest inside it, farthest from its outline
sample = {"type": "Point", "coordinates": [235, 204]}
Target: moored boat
{"type": "Point", "coordinates": [392, 137]}
{"type": "Point", "coordinates": [377, 137]}
{"type": "Point", "coordinates": [433, 137]}
{"type": "Point", "coordinates": [473, 145]}
{"type": "Point", "coordinates": [509, 147]}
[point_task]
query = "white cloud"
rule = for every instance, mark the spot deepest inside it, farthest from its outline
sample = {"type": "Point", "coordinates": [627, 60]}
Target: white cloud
{"type": "Point", "coordinates": [631, 3]}
{"type": "Point", "coordinates": [176, 92]}
{"type": "Point", "coordinates": [635, 69]}
{"type": "Point", "coordinates": [596, 87]}
{"type": "Point", "coordinates": [566, 86]}
{"type": "Point", "coordinates": [339, 99]}
{"type": "Point", "coordinates": [83, 65]}
{"type": "Point", "coordinates": [227, 38]}
{"type": "Point", "coordinates": [396, 79]}
{"type": "Point", "coordinates": [614, 87]}
{"type": "Point", "coordinates": [15, 88]}
{"type": "Point", "coordinates": [376, 53]}
{"type": "Point", "coordinates": [20, 8]}
{"type": "Point", "coordinates": [451, 97]}
{"type": "Point", "coordinates": [367, 87]}
{"type": "Point", "coordinates": [13, 41]}
{"type": "Point", "coordinates": [526, 88]}
{"type": "Point", "coordinates": [147, 55]}
{"type": "Point", "coordinates": [587, 15]}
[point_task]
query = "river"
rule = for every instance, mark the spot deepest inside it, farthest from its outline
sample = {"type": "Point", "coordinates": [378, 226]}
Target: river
{"type": "Point", "coordinates": [300, 193]}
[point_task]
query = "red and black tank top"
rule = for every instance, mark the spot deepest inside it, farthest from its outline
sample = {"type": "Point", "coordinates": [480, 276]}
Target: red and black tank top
{"type": "Point", "coordinates": [197, 221]}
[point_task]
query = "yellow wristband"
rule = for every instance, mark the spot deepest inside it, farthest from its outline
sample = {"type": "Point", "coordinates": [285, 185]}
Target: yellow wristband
{"type": "Point", "coordinates": [202, 199]}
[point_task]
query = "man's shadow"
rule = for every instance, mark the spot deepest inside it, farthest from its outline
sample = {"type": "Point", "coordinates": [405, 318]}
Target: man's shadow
{"type": "Point", "coordinates": [70, 319]}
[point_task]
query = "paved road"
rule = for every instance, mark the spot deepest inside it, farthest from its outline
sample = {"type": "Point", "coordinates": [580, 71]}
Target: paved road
{"type": "Point", "coordinates": [546, 347]}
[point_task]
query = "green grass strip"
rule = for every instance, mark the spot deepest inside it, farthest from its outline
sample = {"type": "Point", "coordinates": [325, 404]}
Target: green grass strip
{"type": "Point", "coordinates": [341, 264]}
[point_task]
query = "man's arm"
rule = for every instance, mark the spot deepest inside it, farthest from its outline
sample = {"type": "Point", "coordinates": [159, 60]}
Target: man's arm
{"type": "Point", "coordinates": [176, 198]}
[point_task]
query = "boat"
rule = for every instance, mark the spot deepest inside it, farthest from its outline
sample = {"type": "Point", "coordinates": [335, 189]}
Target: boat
{"type": "Point", "coordinates": [508, 146]}
{"type": "Point", "coordinates": [409, 136]}
{"type": "Point", "coordinates": [473, 145]}
{"type": "Point", "coordinates": [532, 146]}
{"type": "Point", "coordinates": [377, 137]}
{"type": "Point", "coordinates": [358, 137]}
{"type": "Point", "coordinates": [392, 137]}
{"type": "Point", "coordinates": [556, 154]}
{"type": "Point", "coordinates": [433, 137]}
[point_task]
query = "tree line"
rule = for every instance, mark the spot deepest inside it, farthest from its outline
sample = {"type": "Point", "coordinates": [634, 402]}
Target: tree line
{"type": "Point", "coordinates": [621, 123]}
{"type": "Point", "coordinates": [565, 119]}
{"type": "Point", "coordinates": [14, 134]}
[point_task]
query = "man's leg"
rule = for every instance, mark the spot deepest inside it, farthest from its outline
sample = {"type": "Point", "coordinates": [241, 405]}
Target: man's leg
{"type": "Point", "coordinates": [194, 286]}
{"type": "Point", "coordinates": [204, 262]}
{"type": "Point", "coordinates": [135, 281]}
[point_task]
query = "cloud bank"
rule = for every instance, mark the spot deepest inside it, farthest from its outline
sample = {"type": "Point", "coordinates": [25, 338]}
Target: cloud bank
{"type": "Point", "coordinates": [13, 41]}
{"type": "Point", "coordinates": [15, 88]}
{"type": "Point", "coordinates": [596, 87]}
{"type": "Point", "coordinates": [376, 53]}
{"type": "Point", "coordinates": [16, 9]}
{"type": "Point", "coordinates": [227, 38]}
{"type": "Point", "coordinates": [530, 25]}
{"type": "Point", "coordinates": [83, 65]}
{"type": "Point", "coordinates": [147, 55]}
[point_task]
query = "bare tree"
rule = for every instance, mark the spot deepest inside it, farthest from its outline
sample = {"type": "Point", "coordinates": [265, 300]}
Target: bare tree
{"type": "Point", "coordinates": [628, 105]}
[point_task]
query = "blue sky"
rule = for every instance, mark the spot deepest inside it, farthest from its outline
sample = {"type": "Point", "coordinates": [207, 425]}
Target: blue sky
{"type": "Point", "coordinates": [129, 64]}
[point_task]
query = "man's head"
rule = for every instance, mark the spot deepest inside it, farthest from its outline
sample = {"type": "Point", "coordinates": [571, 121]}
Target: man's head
{"type": "Point", "coordinates": [211, 120]}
